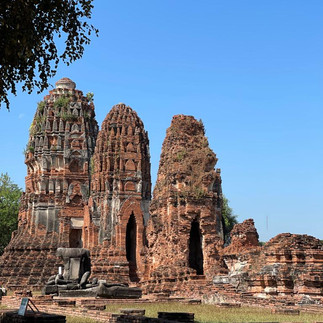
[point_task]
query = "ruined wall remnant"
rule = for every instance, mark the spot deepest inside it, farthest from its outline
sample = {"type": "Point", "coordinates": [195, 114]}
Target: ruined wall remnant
{"type": "Point", "coordinates": [244, 237]}
{"type": "Point", "coordinates": [185, 228]}
{"type": "Point", "coordinates": [288, 264]}
{"type": "Point", "coordinates": [61, 142]}
{"type": "Point", "coordinates": [120, 196]}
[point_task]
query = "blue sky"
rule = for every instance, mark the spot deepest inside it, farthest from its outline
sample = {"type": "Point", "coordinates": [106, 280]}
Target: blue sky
{"type": "Point", "coordinates": [251, 70]}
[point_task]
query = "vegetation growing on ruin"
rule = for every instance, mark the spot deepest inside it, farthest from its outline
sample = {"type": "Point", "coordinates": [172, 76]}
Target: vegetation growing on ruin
{"type": "Point", "coordinates": [41, 106]}
{"type": "Point", "coordinates": [181, 155]}
{"type": "Point", "coordinates": [36, 124]}
{"type": "Point", "coordinates": [90, 96]}
{"type": "Point", "coordinates": [62, 102]}
{"type": "Point", "coordinates": [198, 192]}
{"type": "Point", "coordinates": [31, 149]}
{"type": "Point", "coordinates": [28, 149]}
{"type": "Point", "coordinates": [68, 116]}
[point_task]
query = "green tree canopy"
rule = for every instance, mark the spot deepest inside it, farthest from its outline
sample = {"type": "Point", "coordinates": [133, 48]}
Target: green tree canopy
{"type": "Point", "coordinates": [29, 30]}
{"type": "Point", "coordinates": [10, 195]}
{"type": "Point", "coordinates": [229, 219]}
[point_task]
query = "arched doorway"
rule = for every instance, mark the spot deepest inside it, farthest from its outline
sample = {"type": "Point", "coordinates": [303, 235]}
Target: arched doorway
{"type": "Point", "coordinates": [131, 247]}
{"type": "Point", "coordinates": [195, 248]}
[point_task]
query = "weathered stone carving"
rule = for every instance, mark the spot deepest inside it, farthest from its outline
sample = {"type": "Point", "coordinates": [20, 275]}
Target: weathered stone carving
{"type": "Point", "coordinates": [74, 282]}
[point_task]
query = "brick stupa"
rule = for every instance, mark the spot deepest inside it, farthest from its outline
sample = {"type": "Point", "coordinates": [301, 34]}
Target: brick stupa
{"type": "Point", "coordinates": [61, 142]}
{"type": "Point", "coordinates": [120, 195]}
{"type": "Point", "coordinates": [185, 229]}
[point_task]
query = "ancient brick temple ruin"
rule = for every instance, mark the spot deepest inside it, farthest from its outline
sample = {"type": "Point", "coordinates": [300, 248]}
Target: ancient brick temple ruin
{"type": "Point", "coordinates": [118, 209]}
{"type": "Point", "coordinates": [92, 189]}
{"type": "Point", "coordinates": [61, 142]}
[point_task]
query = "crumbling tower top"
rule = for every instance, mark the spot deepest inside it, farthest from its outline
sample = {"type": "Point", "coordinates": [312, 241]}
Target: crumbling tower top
{"type": "Point", "coordinates": [65, 83]}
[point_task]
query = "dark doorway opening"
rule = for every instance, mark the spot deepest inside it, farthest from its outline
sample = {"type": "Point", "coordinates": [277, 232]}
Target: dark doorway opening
{"type": "Point", "coordinates": [76, 238]}
{"type": "Point", "coordinates": [195, 248]}
{"type": "Point", "coordinates": [131, 247]}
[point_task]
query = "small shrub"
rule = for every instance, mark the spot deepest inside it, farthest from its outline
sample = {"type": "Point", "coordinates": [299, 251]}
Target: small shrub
{"type": "Point", "coordinates": [198, 192]}
{"type": "Point", "coordinates": [90, 96]}
{"type": "Point", "coordinates": [41, 106]}
{"type": "Point", "coordinates": [36, 124]}
{"type": "Point", "coordinates": [62, 102]}
{"type": "Point", "coordinates": [68, 116]}
{"type": "Point", "coordinates": [180, 155]}
{"type": "Point", "coordinates": [32, 129]}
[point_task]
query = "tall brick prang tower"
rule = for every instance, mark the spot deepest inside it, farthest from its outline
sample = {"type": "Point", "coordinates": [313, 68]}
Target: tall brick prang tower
{"type": "Point", "coordinates": [185, 229]}
{"type": "Point", "coordinates": [61, 142]}
{"type": "Point", "coordinates": [114, 228]}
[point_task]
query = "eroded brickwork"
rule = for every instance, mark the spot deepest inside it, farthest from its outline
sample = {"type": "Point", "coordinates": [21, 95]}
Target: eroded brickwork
{"type": "Point", "coordinates": [90, 189]}
{"type": "Point", "coordinates": [185, 228]}
{"type": "Point", "coordinates": [288, 264]}
{"type": "Point", "coordinates": [120, 196]}
{"type": "Point", "coordinates": [244, 237]}
{"type": "Point", "coordinates": [61, 142]}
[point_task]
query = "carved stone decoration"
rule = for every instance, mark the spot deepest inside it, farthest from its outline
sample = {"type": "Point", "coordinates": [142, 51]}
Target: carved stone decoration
{"type": "Point", "coordinates": [117, 242]}
{"type": "Point", "coordinates": [45, 214]}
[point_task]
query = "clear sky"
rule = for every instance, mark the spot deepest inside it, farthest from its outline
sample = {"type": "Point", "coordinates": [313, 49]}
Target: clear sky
{"type": "Point", "coordinates": [251, 70]}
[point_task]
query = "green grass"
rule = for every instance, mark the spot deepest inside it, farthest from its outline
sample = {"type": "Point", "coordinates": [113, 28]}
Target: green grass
{"type": "Point", "coordinates": [212, 314]}
{"type": "Point", "coordinates": [206, 313]}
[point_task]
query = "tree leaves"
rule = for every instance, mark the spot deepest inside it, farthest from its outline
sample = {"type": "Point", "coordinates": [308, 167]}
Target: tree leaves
{"type": "Point", "coordinates": [229, 219]}
{"type": "Point", "coordinates": [28, 53]}
{"type": "Point", "coordinates": [10, 195]}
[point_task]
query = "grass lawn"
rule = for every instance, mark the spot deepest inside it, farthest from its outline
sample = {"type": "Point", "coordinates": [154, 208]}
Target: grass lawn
{"type": "Point", "coordinates": [210, 313]}
{"type": "Point", "coordinates": [206, 313]}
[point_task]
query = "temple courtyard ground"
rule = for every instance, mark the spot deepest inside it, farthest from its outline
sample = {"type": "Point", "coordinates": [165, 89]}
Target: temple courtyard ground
{"type": "Point", "coordinates": [203, 313]}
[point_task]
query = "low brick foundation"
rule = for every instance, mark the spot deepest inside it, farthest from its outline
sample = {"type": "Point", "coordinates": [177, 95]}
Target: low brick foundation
{"type": "Point", "coordinates": [94, 308]}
